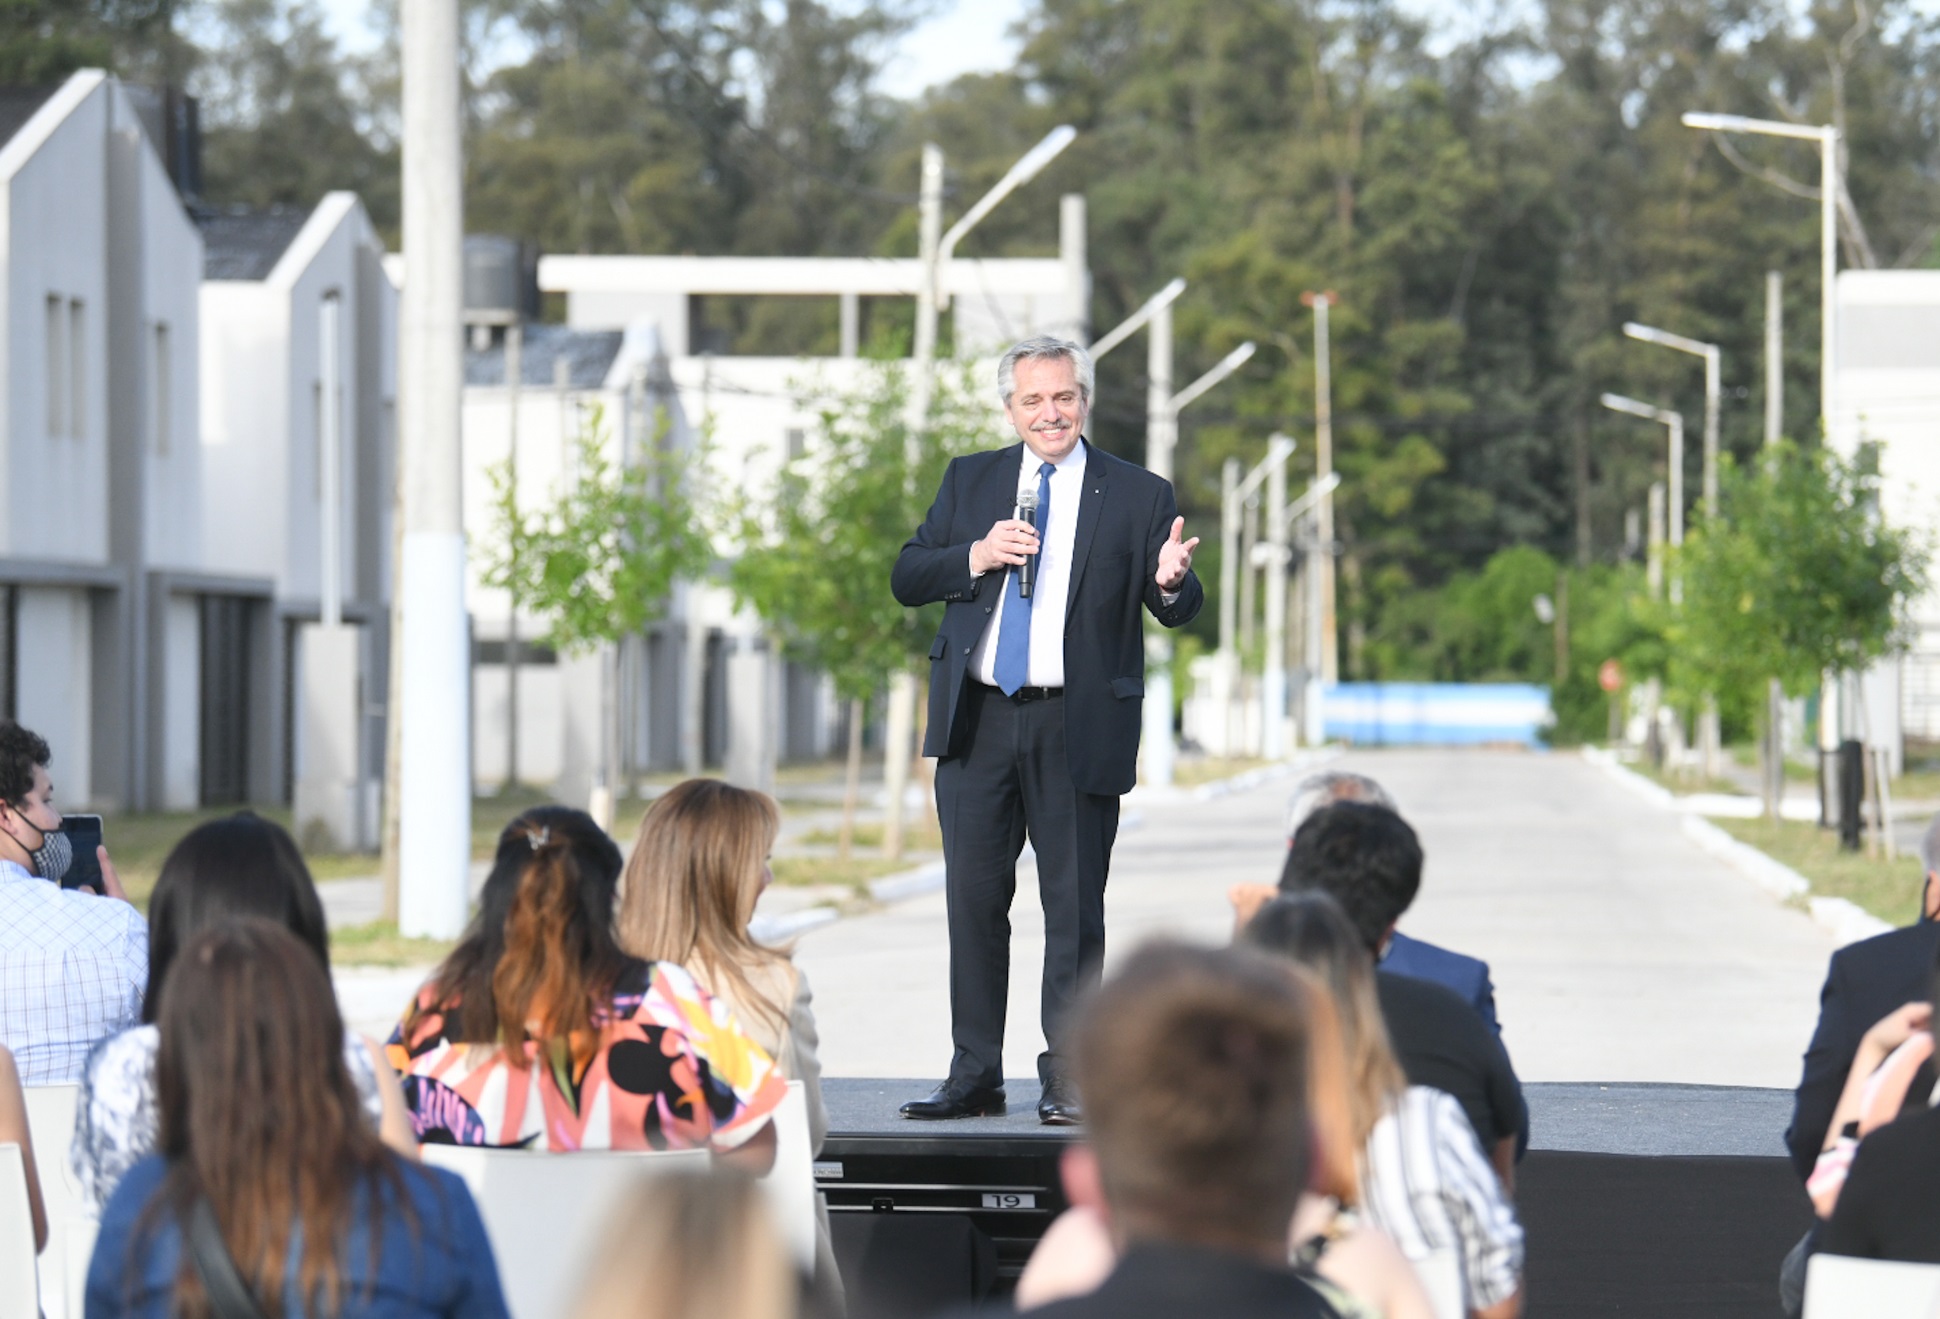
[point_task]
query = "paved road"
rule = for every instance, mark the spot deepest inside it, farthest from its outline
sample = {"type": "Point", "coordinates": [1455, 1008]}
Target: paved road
{"type": "Point", "coordinates": [1621, 952]}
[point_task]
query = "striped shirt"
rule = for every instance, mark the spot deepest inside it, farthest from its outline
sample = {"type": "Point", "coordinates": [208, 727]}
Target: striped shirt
{"type": "Point", "coordinates": [1425, 1182]}
{"type": "Point", "coordinates": [72, 969]}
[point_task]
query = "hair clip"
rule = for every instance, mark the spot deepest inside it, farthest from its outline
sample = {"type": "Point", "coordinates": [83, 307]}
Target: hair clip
{"type": "Point", "coordinates": [538, 837]}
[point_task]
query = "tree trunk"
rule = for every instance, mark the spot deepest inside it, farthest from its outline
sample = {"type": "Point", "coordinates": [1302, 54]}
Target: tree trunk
{"type": "Point", "coordinates": [852, 782]}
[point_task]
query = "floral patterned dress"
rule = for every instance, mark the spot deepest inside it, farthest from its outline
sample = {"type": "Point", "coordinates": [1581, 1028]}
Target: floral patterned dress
{"type": "Point", "coordinates": [667, 1067]}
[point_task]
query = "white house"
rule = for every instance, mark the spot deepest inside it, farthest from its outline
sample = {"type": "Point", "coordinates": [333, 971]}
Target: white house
{"type": "Point", "coordinates": [99, 460]}
{"type": "Point", "coordinates": [705, 688]}
{"type": "Point", "coordinates": [299, 382]}
{"type": "Point", "coordinates": [1888, 397]}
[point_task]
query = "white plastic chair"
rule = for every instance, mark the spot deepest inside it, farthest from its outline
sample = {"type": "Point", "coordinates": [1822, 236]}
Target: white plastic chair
{"type": "Point", "coordinates": [19, 1290]}
{"type": "Point", "coordinates": [545, 1213]}
{"type": "Point", "coordinates": [50, 1121]}
{"type": "Point", "coordinates": [790, 1185]}
{"type": "Point", "coordinates": [1440, 1273]}
{"type": "Point", "coordinates": [1839, 1287]}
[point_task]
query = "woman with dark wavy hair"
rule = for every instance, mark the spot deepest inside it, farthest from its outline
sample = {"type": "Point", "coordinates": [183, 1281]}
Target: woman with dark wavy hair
{"type": "Point", "coordinates": [540, 1032]}
{"type": "Point", "coordinates": [270, 1189]}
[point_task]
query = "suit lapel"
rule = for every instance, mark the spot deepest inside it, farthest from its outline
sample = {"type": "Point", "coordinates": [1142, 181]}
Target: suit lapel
{"type": "Point", "coordinates": [1091, 502]}
{"type": "Point", "coordinates": [995, 497]}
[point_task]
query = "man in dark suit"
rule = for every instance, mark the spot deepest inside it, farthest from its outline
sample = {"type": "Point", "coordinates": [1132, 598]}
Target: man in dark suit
{"type": "Point", "coordinates": [1865, 982]}
{"type": "Point", "coordinates": [1194, 1064]}
{"type": "Point", "coordinates": [1035, 700]}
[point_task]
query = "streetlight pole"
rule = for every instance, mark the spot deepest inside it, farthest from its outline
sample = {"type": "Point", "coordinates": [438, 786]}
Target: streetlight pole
{"type": "Point", "coordinates": [1234, 492]}
{"type": "Point", "coordinates": [1305, 509]}
{"type": "Point", "coordinates": [933, 252]}
{"type": "Point", "coordinates": [431, 706]}
{"type": "Point", "coordinates": [1329, 671]}
{"type": "Point", "coordinates": [1709, 352]}
{"type": "Point", "coordinates": [1673, 423]}
{"type": "Point", "coordinates": [1827, 136]}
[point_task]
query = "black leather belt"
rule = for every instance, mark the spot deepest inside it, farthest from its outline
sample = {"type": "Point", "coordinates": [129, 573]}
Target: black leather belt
{"type": "Point", "coordinates": [1026, 694]}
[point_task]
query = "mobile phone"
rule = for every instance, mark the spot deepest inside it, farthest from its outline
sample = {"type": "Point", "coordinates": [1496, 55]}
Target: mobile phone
{"type": "Point", "coordinates": [84, 832]}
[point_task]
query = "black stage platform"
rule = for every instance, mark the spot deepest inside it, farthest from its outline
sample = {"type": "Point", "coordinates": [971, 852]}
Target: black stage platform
{"type": "Point", "coordinates": [1637, 1199]}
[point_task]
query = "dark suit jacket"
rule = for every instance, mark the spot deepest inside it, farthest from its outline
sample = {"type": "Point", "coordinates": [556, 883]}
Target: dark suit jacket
{"type": "Point", "coordinates": [1163, 1281]}
{"type": "Point", "coordinates": [1464, 975]}
{"type": "Point", "coordinates": [1866, 981]}
{"type": "Point", "coordinates": [1124, 516]}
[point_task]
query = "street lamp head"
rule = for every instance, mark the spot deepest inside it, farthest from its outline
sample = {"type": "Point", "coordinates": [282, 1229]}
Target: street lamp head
{"type": "Point", "coordinates": [1737, 123]}
{"type": "Point", "coordinates": [1043, 153]}
{"type": "Point", "coordinates": [1618, 403]}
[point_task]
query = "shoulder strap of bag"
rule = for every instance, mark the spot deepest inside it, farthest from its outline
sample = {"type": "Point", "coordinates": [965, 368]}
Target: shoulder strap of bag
{"type": "Point", "coordinates": [228, 1295]}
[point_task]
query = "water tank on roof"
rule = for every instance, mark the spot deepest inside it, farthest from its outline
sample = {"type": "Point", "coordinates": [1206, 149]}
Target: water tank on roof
{"type": "Point", "coordinates": [501, 280]}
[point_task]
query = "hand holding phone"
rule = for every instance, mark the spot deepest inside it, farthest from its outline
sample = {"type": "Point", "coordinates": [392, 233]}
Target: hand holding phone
{"type": "Point", "coordinates": [84, 832]}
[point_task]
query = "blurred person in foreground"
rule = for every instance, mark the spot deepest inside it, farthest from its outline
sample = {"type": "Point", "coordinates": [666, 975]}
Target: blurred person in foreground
{"type": "Point", "coordinates": [1865, 982]}
{"type": "Point", "coordinates": [540, 1032]}
{"type": "Point", "coordinates": [699, 865]}
{"type": "Point", "coordinates": [72, 963]}
{"type": "Point", "coordinates": [270, 1191]}
{"type": "Point", "coordinates": [241, 865]}
{"type": "Point", "coordinates": [1356, 1266]}
{"type": "Point", "coordinates": [1424, 1178]}
{"type": "Point", "coordinates": [687, 1245]}
{"type": "Point", "coordinates": [1369, 861]}
{"type": "Point", "coordinates": [1192, 1063]}
{"type": "Point", "coordinates": [1466, 976]}
{"type": "Point", "coordinates": [13, 1131]}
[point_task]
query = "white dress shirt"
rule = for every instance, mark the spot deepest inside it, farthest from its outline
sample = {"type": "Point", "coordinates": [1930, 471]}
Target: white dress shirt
{"type": "Point", "coordinates": [1051, 589]}
{"type": "Point", "coordinates": [72, 970]}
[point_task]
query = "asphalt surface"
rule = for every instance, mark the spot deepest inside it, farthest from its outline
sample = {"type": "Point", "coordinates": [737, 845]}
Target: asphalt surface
{"type": "Point", "coordinates": [1621, 952]}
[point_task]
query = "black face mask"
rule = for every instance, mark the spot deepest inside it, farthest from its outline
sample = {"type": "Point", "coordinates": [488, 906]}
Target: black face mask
{"type": "Point", "coordinates": [55, 853]}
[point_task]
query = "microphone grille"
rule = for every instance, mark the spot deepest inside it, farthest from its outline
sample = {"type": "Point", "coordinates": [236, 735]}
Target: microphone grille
{"type": "Point", "coordinates": [1027, 499]}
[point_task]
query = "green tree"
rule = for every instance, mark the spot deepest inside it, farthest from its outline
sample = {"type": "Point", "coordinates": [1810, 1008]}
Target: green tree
{"type": "Point", "coordinates": [599, 559]}
{"type": "Point", "coordinates": [817, 545]}
{"type": "Point", "coordinates": [1799, 576]}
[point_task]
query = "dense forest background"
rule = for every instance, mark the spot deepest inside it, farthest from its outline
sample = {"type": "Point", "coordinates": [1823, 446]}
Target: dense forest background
{"type": "Point", "coordinates": [1489, 211]}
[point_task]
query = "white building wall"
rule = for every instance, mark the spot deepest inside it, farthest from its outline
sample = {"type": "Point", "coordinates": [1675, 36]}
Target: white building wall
{"type": "Point", "coordinates": [182, 705]}
{"type": "Point", "coordinates": [245, 454]}
{"type": "Point", "coordinates": [171, 298]}
{"type": "Point", "coordinates": [54, 176]}
{"type": "Point", "coordinates": [54, 687]}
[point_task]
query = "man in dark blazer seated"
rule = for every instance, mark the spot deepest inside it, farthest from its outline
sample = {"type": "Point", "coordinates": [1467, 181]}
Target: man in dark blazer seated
{"type": "Point", "coordinates": [1865, 982]}
{"type": "Point", "coordinates": [1035, 700]}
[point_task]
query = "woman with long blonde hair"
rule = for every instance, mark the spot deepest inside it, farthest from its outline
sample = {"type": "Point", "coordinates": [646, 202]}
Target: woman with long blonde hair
{"type": "Point", "coordinates": [699, 865]}
{"type": "Point", "coordinates": [692, 1245]}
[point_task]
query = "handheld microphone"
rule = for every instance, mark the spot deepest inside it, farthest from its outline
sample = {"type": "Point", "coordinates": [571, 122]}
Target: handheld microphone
{"type": "Point", "coordinates": [1027, 514]}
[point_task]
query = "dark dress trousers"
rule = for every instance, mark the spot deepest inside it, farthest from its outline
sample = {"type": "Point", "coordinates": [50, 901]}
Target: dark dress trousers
{"type": "Point", "coordinates": [1865, 982]}
{"type": "Point", "coordinates": [1050, 769]}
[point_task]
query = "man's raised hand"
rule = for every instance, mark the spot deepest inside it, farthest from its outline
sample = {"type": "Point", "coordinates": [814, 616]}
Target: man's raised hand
{"type": "Point", "coordinates": [1009, 542]}
{"type": "Point", "coordinates": [1175, 559]}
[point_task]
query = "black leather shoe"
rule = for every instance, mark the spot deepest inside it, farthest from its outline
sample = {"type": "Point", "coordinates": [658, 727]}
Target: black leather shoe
{"type": "Point", "coordinates": [1058, 1107]}
{"type": "Point", "coordinates": [958, 1099]}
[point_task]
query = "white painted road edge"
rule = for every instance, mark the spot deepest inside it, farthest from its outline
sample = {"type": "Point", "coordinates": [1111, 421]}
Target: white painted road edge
{"type": "Point", "coordinates": [1847, 921]}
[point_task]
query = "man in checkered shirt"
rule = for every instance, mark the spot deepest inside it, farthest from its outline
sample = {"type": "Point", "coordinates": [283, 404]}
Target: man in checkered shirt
{"type": "Point", "coordinates": [73, 963]}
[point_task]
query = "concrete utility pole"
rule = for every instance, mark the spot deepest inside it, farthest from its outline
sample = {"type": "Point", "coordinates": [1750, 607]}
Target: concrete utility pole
{"type": "Point", "coordinates": [1305, 509]}
{"type": "Point", "coordinates": [1329, 671]}
{"type": "Point", "coordinates": [434, 814]}
{"type": "Point", "coordinates": [934, 252]}
{"type": "Point", "coordinates": [514, 372]}
{"type": "Point", "coordinates": [1774, 357]}
{"type": "Point", "coordinates": [1273, 674]}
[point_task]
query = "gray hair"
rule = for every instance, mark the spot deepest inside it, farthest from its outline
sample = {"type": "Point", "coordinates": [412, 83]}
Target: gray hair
{"type": "Point", "coordinates": [1930, 847]}
{"type": "Point", "coordinates": [1045, 348]}
{"type": "Point", "coordinates": [1328, 787]}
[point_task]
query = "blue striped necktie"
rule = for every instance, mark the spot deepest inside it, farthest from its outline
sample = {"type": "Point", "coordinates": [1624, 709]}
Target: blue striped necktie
{"type": "Point", "coordinates": [1013, 667]}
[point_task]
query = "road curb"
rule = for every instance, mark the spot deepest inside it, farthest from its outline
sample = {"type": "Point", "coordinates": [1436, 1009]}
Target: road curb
{"type": "Point", "coordinates": [1846, 921]}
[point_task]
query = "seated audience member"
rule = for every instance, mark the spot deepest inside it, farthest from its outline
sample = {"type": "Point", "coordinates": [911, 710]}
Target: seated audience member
{"type": "Point", "coordinates": [1887, 1208]}
{"type": "Point", "coordinates": [1192, 1066]}
{"type": "Point", "coordinates": [13, 1131]}
{"type": "Point", "coordinates": [1356, 1266]}
{"type": "Point", "coordinates": [1865, 981]}
{"type": "Point", "coordinates": [1425, 1180]}
{"type": "Point", "coordinates": [72, 963]}
{"type": "Point", "coordinates": [539, 1032]}
{"type": "Point", "coordinates": [1368, 860]}
{"type": "Point", "coordinates": [242, 865]}
{"type": "Point", "coordinates": [270, 1191]}
{"type": "Point", "coordinates": [690, 1245]}
{"type": "Point", "coordinates": [1466, 976]}
{"type": "Point", "coordinates": [699, 864]}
